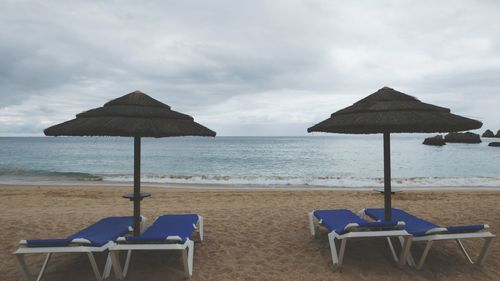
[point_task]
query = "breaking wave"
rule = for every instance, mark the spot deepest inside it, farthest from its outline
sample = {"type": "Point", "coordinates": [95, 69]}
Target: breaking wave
{"type": "Point", "coordinates": [312, 181]}
{"type": "Point", "coordinates": [14, 174]}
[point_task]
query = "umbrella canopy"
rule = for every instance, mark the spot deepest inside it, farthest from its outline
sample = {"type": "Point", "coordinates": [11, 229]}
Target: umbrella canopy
{"type": "Point", "coordinates": [389, 111]}
{"type": "Point", "coordinates": [133, 115]}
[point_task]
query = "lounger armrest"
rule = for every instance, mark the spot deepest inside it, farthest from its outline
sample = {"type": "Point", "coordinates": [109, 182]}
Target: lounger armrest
{"type": "Point", "coordinates": [144, 224]}
{"type": "Point", "coordinates": [351, 227]}
{"type": "Point", "coordinates": [175, 238]}
{"type": "Point", "coordinates": [435, 230]}
{"type": "Point", "coordinates": [81, 241]}
{"type": "Point", "coordinates": [400, 225]}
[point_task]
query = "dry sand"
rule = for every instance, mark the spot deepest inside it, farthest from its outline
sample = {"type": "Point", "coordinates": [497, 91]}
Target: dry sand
{"type": "Point", "coordinates": [249, 234]}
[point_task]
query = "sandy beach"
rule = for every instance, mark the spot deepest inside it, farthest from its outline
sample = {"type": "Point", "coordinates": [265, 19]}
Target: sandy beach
{"type": "Point", "coordinates": [249, 234]}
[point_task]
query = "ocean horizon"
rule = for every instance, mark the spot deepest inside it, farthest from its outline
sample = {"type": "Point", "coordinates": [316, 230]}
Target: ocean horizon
{"type": "Point", "coordinates": [350, 161]}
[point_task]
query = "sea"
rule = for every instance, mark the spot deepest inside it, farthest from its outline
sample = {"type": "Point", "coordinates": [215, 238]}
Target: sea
{"type": "Point", "coordinates": [322, 160]}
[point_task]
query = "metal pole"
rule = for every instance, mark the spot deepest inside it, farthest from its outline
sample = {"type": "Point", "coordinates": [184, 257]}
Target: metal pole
{"type": "Point", "coordinates": [137, 186]}
{"type": "Point", "coordinates": [387, 176]}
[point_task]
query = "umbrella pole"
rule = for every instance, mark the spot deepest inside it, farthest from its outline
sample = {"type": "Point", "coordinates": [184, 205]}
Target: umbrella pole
{"type": "Point", "coordinates": [387, 176]}
{"type": "Point", "coordinates": [137, 186]}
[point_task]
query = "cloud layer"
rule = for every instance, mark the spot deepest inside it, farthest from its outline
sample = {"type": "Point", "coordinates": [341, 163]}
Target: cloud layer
{"type": "Point", "coordinates": [245, 67]}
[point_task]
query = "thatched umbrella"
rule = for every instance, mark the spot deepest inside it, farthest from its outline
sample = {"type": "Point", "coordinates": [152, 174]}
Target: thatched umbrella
{"type": "Point", "coordinates": [134, 115]}
{"type": "Point", "coordinates": [389, 111]}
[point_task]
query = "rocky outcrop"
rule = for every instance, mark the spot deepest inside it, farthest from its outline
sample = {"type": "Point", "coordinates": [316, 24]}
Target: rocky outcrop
{"type": "Point", "coordinates": [467, 137]}
{"type": "Point", "coordinates": [436, 140]}
{"type": "Point", "coordinates": [488, 134]}
{"type": "Point", "coordinates": [494, 144]}
{"type": "Point", "coordinates": [498, 134]}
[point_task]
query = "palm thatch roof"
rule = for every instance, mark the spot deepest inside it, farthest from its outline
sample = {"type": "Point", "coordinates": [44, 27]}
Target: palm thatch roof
{"type": "Point", "coordinates": [133, 115]}
{"type": "Point", "coordinates": [388, 110]}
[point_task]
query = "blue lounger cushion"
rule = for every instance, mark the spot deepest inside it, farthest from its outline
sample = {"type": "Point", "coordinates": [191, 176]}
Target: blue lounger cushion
{"type": "Point", "coordinates": [419, 227]}
{"type": "Point", "coordinates": [181, 226]}
{"type": "Point", "coordinates": [466, 228]}
{"type": "Point", "coordinates": [98, 234]}
{"type": "Point", "coordinates": [338, 220]}
{"type": "Point", "coordinates": [414, 225]}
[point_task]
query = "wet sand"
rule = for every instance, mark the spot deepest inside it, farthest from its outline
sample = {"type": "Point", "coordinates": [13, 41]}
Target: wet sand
{"type": "Point", "coordinates": [249, 234]}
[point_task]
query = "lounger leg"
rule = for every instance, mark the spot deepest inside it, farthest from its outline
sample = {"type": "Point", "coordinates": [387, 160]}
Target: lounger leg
{"type": "Point", "coordinates": [333, 249]}
{"type": "Point", "coordinates": [190, 257]}
{"type": "Point", "coordinates": [484, 252]}
{"type": "Point", "coordinates": [187, 259]}
{"type": "Point", "coordinates": [405, 249]}
{"type": "Point", "coordinates": [342, 251]}
{"type": "Point", "coordinates": [127, 263]}
{"type": "Point", "coordinates": [393, 252]}
{"type": "Point", "coordinates": [95, 268]}
{"type": "Point", "coordinates": [117, 267]}
{"type": "Point", "coordinates": [312, 230]}
{"type": "Point", "coordinates": [44, 266]}
{"type": "Point", "coordinates": [409, 256]}
{"type": "Point", "coordinates": [424, 255]}
{"type": "Point", "coordinates": [482, 255]}
{"type": "Point", "coordinates": [107, 267]}
{"type": "Point", "coordinates": [201, 228]}
{"type": "Point", "coordinates": [464, 251]}
{"type": "Point", "coordinates": [23, 268]}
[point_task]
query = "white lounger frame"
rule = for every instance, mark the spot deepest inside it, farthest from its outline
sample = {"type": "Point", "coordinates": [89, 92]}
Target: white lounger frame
{"type": "Point", "coordinates": [437, 234]}
{"type": "Point", "coordinates": [78, 246]}
{"type": "Point", "coordinates": [338, 256]}
{"type": "Point", "coordinates": [187, 249]}
{"type": "Point", "coordinates": [23, 267]}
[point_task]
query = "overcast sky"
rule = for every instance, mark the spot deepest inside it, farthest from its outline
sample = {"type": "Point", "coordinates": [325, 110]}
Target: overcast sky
{"type": "Point", "coordinates": [245, 67]}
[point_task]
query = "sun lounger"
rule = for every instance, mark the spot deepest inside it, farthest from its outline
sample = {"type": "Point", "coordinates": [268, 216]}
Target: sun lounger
{"type": "Point", "coordinates": [95, 238]}
{"type": "Point", "coordinates": [345, 225]}
{"type": "Point", "coordinates": [168, 232]}
{"type": "Point", "coordinates": [425, 231]}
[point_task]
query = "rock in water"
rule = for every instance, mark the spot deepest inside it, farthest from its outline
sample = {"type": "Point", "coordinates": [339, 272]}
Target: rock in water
{"type": "Point", "coordinates": [488, 134]}
{"type": "Point", "coordinates": [498, 134]}
{"type": "Point", "coordinates": [467, 137]}
{"type": "Point", "coordinates": [436, 140]}
{"type": "Point", "coordinates": [494, 144]}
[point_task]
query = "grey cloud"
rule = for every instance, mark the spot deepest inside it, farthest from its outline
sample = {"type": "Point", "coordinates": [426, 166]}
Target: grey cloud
{"type": "Point", "coordinates": [212, 59]}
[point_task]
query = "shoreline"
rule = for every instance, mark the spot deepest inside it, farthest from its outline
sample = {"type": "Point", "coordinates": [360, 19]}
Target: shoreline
{"type": "Point", "coordinates": [234, 187]}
